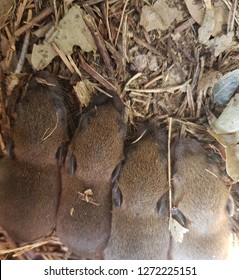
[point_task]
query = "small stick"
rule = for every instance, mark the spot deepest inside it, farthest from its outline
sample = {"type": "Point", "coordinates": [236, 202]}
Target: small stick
{"type": "Point", "coordinates": [96, 75]}
{"type": "Point", "coordinates": [146, 45]}
{"type": "Point", "coordinates": [55, 11]}
{"type": "Point", "coordinates": [72, 62]}
{"type": "Point", "coordinates": [24, 47]}
{"type": "Point", "coordinates": [19, 13]}
{"type": "Point", "coordinates": [136, 76]}
{"type": "Point", "coordinates": [100, 43]}
{"type": "Point", "coordinates": [90, 2]}
{"type": "Point", "coordinates": [121, 21]}
{"type": "Point", "coordinates": [160, 90]}
{"type": "Point", "coordinates": [169, 166]}
{"type": "Point", "coordinates": [45, 13]}
{"type": "Point", "coordinates": [190, 101]}
{"type": "Point", "coordinates": [153, 81]}
{"type": "Point", "coordinates": [21, 250]}
{"type": "Point", "coordinates": [234, 8]}
{"type": "Point", "coordinates": [63, 57]}
{"type": "Point", "coordinates": [199, 103]}
{"type": "Point", "coordinates": [125, 41]}
{"type": "Point", "coordinates": [107, 20]}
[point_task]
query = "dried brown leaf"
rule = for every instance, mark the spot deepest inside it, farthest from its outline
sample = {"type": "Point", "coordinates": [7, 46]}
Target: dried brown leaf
{"type": "Point", "coordinates": [70, 31]}
{"type": "Point", "coordinates": [159, 16]}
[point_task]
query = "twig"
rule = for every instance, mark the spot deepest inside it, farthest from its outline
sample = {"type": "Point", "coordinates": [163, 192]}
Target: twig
{"type": "Point", "coordinates": [153, 81]}
{"type": "Point", "coordinates": [170, 120]}
{"type": "Point", "coordinates": [160, 90]}
{"type": "Point", "coordinates": [24, 47]}
{"type": "Point", "coordinates": [21, 250]}
{"type": "Point", "coordinates": [55, 11]}
{"type": "Point", "coordinates": [45, 13]}
{"type": "Point", "coordinates": [229, 6]}
{"type": "Point", "coordinates": [63, 57]}
{"type": "Point", "coordinates": [96, 75]}
{"type": "Point", "coordinates": [136, 76]}
{"type": "Point", "coordinates": [100, 43]}
{"type": "Point", "coordinates": [107, 20]}
{"type": "Point", "coordinates": [190, 101]}
{"type": "Point", "coordinates": [72, 62]}
{"type": "Point", "coordinates": [231, 18]}
{"type": "Point", "coordinates": [146, 45]}
{"type": "Point", "coordinates": [199, 103]}
{"type": "Point", "coordinates": [121, 21]}
{"type": "Point", "coordinates": [125, 41]}
{"type": "Point", "coordinates": [90, 2]}
{"type": "Point", "coordinates": [19, 13]}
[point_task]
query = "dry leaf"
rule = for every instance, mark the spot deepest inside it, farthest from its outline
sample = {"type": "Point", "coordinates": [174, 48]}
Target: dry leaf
{"type": "Point", "coordinates": [226, 131]}
{"type": "Point", "coordinates": [232, 161]}
{"type": "Point", "coordinates": [225, 87]}
{"type": "Point", "coordinates": [70, 31]}
{"type": "Point", "coordinates": [228, 121]}
{"type": "Point", "coordinates": [222, 43]}
{"type": "Point", "coordinates": [220, 14]}
{"type": "Point", "coordinates": [84, 91]}
{"type": "Point", "coordinates": [206, 29]}
{"type": "Point", "coordinates": [42, 55]}
{"type": "Point", "coordinates": [227, 138]}
{"type": "Point", "coordinates": [177, 231]}
{"type": "Point", "coordinates": [159, 16]}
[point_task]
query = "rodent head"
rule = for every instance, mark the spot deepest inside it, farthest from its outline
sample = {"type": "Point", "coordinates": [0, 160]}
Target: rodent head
{"type": "Point", "coordinates": [98, 139]}
{"type": "Point", "coordinates": [143, 178]}
{"type": "Point", "coordinates": [41, 124]}
{"type": "Point", "coordinates": [198, 193]}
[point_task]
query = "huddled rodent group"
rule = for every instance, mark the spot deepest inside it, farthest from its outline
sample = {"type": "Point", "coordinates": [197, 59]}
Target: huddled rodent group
{"type": "Point", "coordinates": [105, 200]}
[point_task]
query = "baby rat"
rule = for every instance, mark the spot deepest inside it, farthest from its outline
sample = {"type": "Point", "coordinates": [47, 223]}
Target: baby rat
{"type": "Point", "coordinates": [84, 216]}
{"type": "Point", "coordinates": [139, 220]}
{"type": "Point", "coordinates": [30, 182]}
{"type": "Point", "coordinates": [203, 205]}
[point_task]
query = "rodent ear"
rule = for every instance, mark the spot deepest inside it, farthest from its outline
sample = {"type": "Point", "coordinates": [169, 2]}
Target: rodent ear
{"type": "Point", "coordinates": [163, 204]}
{"type": "Point", "coordinates": [71, 164]}
{"type": "Point", "coordinates": [10, 148]}
{"type": "Point", "coordinates": [230, 207]}
{"type": "Point", "coordinates": [116, 172]}
{"type": "Point", "coordinates": [179, 217]}
{"type": "Point", "coordinates": [116, 195]}
{"type": "Point", "coordinates": [61, 154]}
{"type": "Point", "coordinates": [85, 119]}
{"type": "Point", "coordinates": [118, 103]}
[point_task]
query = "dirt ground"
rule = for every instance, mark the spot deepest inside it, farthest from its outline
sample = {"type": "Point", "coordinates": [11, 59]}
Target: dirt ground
{"type": "Point", "coordinates": [160, 71]}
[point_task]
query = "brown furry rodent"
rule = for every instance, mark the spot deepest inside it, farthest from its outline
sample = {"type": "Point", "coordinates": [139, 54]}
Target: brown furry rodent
{"type": "Point", "coordinates": [95, 151]}
{"type": "Point", "coordinates": [204, 205]}
{"type": "Point", "coordinates": [139, 221]}
{"type": "Point", "coordinates": [30, 182]}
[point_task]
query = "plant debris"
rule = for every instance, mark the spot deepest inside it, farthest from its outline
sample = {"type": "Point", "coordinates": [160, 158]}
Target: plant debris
{"type": "Point", "coordinates": [87, 196]}
{"type": "Point", "coordinates": [70, 31]}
